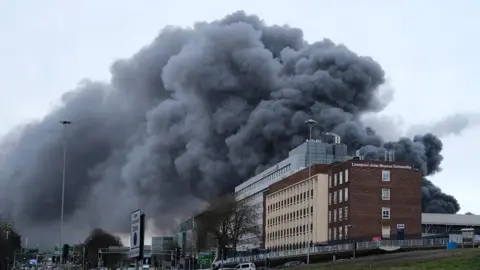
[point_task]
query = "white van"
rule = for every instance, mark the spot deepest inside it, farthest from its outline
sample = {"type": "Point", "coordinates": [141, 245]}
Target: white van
{"type": "Point", "coordinates": [246, 266]}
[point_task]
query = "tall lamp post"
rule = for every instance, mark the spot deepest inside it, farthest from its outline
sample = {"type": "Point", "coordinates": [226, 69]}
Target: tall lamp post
{"type": "Point", "coordinates": [65, 124]}
{"type": "Point", "coordinates": [310, 123]}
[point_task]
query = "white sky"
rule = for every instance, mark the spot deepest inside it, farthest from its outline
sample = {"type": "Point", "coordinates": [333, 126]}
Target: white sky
{"type": "Point", "coordinates": [428, 49]}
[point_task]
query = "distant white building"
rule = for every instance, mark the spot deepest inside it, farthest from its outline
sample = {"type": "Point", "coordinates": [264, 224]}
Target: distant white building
{"type": "Point", "coordinates": [252, 190]}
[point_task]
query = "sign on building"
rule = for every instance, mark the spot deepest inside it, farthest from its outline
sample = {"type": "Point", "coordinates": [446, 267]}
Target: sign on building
{"type": "Point", "coordinates": [135, 234]}
{"type": "Point", "coordinates": [381, 166]}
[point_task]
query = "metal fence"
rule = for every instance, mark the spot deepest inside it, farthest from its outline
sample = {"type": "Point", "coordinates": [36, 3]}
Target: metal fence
{"type": "Point", "coordinates": [361, 246]}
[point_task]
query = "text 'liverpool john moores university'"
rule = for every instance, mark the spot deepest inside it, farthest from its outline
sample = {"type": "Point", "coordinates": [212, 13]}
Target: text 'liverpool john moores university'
{"type": "Point", "coordinates": [381, 166]}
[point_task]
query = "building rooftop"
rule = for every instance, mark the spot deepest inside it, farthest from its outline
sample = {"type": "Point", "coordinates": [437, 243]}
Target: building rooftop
{"type": "Point", "coordinates": [450, 219]}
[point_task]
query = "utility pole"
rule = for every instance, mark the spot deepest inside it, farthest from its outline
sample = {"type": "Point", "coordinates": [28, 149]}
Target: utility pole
{"type": "Point", "coordinates": [65, 124]}
{"type": "Point", "coordinates": [310, 123]}
{"type": "Point", "coordinates": [221, 258]}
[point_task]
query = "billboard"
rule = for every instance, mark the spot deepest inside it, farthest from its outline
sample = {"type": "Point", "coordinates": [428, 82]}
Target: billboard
{"type": "Point", "coordinates": [135, 234]}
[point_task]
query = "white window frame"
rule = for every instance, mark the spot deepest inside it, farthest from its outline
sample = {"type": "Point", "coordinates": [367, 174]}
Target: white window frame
{"type": "Point", "coordinates": [385, 194]}
{"type": "Point", "coordinates": [386, 173]}
{"type": "Point", "coordinates": [330, 198]}
{"type": "Point", "coordinates": [340, 178]}
{"type": "Point", "coordinates": [345, 212]}
{"type": "Point", "coordinates": [345, 231]}
{"type": "Point", "coordinates": [346, 176]}
{"type": "Point", "coordinates": [329, 216]}
{"type": "Point", "coordinates": [334, 215]}
{"type": "Point", "coordinates": [334, 197]}
{"type": "Point", "coordinates": [386, 213]}
{"type": "Point", "coordinates": [334, 233]}
{"type": "Point", "coordinates": [329, 234]}
{"type": "Point", "coordinates": [386, 231]}
{"type": "Point", "coordinates": [335, 178]}
{"type": "Point", "coordinates": [340, 232]}
{"type": "Point", "coordinates": [340, 196]}
{"type": "Point", "coordinates": [329, 181]}
{"type": "Point", "coordinates": [345, 195]}
{"type": "Point", "coordinates": [340, 214]}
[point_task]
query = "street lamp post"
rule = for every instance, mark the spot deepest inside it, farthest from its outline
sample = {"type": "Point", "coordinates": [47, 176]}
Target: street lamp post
{"type": "Point", "coordinates": [310, 123]}
{"type": "Point", "coordinates": [65, 124]}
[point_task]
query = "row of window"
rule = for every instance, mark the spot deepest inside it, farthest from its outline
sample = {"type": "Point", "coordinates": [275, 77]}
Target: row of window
{"type": "Point", "coordinates": [290, 216]}
{"type": "Point", "coordinates": [268, 177]}
{"type": "Point", "coordinates": [338, 178]}
{"type": "Point", "coordinates": [342, 214]}
{"type": "Point", "coordinates": [290, 201]}
{"type": "Point", "coordinates": [342, 196]}
{"type": "Point", "coordinates": [338, 233]}
{"type": "Point", "coordinates": [342, 177]}
{"type": "Point", "coordinates": [302, 229]}
{"type": "Point", "coordinates": [248, 241]}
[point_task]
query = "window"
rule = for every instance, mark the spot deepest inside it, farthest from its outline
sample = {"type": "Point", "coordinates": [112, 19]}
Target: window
{"type": "Point", "coordinates": [346, 176]}
{"type": "Point", "coordinates": [345, 212]}
{"type": "Point", "coordinates": [386, 176]}
{"type": "Point", "coordinates": [345, 196]}
{"type": "Point", "coordinates": [340, 214]}
{"type": "Point", "coordinates": [335, 180]}
{"type": "Point", "coordinates": [385, 194]}
{"type": "Point", "coordinates": [385, 231]}
{"type": "Point", "coordinates": [334, 215]}
{"type": "Point", "coordinates": [329, 234]}
{"type": "Point", "coordinates": [340, 232]}
{"type": "Point", "coordinates": [329, 181]}
{"type": "Point", "coordinates": [329, 198]}
{"type": "Point", "coordinates": [346, 231]}
{"type": "Point", "coordinates": [335, 197]}
{"type": "Point", "coordinates": [329, 216]}
{"type": "Point", "coordinates": [385, 212]}
{"type": "Point", "coordinates": [334, 233]}
{"type": "Point", "coordinates": [340, 176]}
{"type": "Point", "coordinates": [340, 197]}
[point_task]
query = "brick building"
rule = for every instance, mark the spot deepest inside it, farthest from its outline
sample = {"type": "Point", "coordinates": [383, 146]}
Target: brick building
{"type": "Point", "coordinates": [355, 199]}
{"type": "Point", "coordinates": [372, 199]}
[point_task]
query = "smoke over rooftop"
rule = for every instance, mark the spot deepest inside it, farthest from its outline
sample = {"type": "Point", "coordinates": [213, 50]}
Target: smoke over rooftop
{"type": "Point", "coordinates": [187, 118]}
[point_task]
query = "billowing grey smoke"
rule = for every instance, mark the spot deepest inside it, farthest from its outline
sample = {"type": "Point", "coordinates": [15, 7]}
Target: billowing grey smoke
{"type": "Point", "coordinates": [187, 118]}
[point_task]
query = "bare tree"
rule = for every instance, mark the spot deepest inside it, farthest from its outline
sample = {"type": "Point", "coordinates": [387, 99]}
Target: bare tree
{"type": "Point", "coordinates": [227, 221]}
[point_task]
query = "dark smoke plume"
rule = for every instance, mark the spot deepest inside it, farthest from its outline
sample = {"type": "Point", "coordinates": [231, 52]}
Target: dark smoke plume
{"type": "Point", "coordinates": [187, 118]}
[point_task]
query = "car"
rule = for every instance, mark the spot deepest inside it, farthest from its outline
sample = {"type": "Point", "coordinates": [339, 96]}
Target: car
{"type": "Point", "coordinates": [246, 266]}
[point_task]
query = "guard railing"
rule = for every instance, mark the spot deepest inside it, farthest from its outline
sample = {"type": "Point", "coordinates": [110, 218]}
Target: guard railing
{"type": "Point", "coordinates": [414, 243]}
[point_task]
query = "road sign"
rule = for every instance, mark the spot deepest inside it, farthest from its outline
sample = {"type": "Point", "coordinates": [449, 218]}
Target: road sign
{"type": "Point", "coordinates": [135, 234]}
{"type": "Point", "coordinates": [30, 250]}
{"type": "Point", "coordinates": [205, 258]}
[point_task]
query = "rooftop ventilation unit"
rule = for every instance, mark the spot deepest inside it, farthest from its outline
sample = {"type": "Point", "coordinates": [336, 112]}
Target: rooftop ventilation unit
{"type": "Point", "coordinates": [336, 137]}
{"type": "Point", "coordinates": [358, 156]}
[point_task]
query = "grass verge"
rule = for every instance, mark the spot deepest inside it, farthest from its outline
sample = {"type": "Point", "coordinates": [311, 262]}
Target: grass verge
{"type": "Point", "coordinates": [461, 259]}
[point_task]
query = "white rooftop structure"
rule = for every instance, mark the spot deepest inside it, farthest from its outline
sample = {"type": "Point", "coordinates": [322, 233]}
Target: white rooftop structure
{"type": "Point", "coordinates": [450, 219]}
